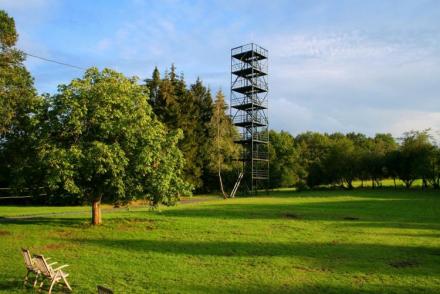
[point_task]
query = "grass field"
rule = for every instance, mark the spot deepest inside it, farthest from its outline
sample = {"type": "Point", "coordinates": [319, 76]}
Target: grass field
{"type": "Point", "coordinates": [360, 241]}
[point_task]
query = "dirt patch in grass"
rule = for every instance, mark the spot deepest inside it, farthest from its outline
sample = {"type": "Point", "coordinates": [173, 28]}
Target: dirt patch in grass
{"type": "Point", "coordinates": [312, 270]}
{"type": "Point", "coordinates": [5, 233]}
{"type": "Point", "coordinates": [136, 224]}
{"type": "Point", "coordinates": [64, 234]}
{"type": "Point", "coordinates": [360, 280]}
{"type": "Point", "coordinates": [290, 215]}
{"type": "Point", "coordinates": [351, 218]}
{"type": "Point", "coordinates": [54, 246]}
{"type": "Point", "coordinates": [404, 263]}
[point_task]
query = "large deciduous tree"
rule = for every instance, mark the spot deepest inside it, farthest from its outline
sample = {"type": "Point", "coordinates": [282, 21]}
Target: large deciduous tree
{"type": "Point", "coordinates": [19, 111]}
{"type": "Point", "coordinates": [17, 93]}
{"type": "Point", "coordinates": [414, 157]}
{"type": "Point", "coordinates": [103, 141]}
{"type": "Point", "coordinates": [284, 160]}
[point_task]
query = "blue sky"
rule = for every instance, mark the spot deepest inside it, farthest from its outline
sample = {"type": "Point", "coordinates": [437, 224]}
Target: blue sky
{"type": "Point", "coordinates": [365, 66]}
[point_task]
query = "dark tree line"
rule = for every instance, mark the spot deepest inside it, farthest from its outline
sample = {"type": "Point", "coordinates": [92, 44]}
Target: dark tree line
{"type": "Point", "coordinates": [208, 133]}
{"type": "Point", "coordinates": [312, 159]}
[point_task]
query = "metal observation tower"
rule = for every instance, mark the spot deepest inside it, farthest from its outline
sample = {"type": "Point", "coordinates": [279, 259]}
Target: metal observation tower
{"type": "Point", "coordinates": [249, 103]}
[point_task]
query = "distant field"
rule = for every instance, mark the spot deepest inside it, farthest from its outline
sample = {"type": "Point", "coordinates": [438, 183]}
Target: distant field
{"type": "Point", "coordinates": [389, 183]}
{"type": "Point", "coordinates": [361, 241]}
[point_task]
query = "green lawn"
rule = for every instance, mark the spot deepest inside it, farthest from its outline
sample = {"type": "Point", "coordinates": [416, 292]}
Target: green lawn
{"type": "Point", "coordinates": [361, 241]}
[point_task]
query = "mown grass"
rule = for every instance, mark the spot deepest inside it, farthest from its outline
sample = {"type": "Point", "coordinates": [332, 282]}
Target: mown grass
{"type": "Point", "coordinates": [361, 241]}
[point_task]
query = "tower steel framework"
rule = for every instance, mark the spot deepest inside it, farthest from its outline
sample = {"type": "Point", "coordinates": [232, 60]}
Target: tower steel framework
{"type": "Point", "coordinates": [249, 104]}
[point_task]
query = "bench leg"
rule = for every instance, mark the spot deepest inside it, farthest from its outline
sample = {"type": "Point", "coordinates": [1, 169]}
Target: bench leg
{"type": "Point", "coordinates": [26, 278]}
{"type": "Point", "coordinates": [67, 284]}
{"type": "Point", "coordinates": [51, 285]}
{"type": "Point", "coordinates": [36, 280]}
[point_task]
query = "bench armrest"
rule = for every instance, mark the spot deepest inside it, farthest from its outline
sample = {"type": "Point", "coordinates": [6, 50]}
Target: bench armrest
{"type": "Point", "coordinates": [60, 267]}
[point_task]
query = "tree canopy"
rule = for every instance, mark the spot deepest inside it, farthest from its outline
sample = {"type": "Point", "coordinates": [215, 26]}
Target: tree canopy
{"type": "Point", "coordinates": [19, 110]}
{"type": "Point", "coordinates": [102, 141]}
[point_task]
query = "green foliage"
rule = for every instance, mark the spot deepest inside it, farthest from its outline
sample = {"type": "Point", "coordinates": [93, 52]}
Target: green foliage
{"type": "Point", "coordinates": [312, 149]}
{"type": "Point", "coordinates": [17, 94]}
{"type": "Point", "coordinates": [8, 33]}
{"type": "Point", "coordinates": [339, 159]}
{"type": "Point", "coordinates": [222, 150]}
{"type": "Point", "coordinates": [284, 160]}
{"type": "Point", "coordinates": [20, 110]}
{"type": "Point", "coordinates": [102, 140]}
{"type": "Point", "coordinates": [173, 105]}
{"type": "Point", "coordinates": [416, 156]}
{"type": "Point", "coordinates": [191, 109]}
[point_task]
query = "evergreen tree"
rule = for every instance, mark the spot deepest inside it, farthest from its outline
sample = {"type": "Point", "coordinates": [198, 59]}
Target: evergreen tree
{"type": "Point", "coordinates": [189, 110]}
{"type": "Point", "coordinates": [153, 85]}
{"type": "Point", "coordinates": [222, 150]}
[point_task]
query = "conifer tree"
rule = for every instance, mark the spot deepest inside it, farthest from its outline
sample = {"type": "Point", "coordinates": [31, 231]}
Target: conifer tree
{"type": "Point", "coordinates": [223, 151]}
{"type": "Point", "coordinates": [198, 110]}
{"type": "Point", "coordinates": [153, 85]}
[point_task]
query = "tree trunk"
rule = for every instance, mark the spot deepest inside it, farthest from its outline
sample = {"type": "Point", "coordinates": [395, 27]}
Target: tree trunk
{"type": "Point", "coordinates": [219, 159]}
{"type": "Point", "coordinates": [350, 184]}
{"type": "Point", "coordinates": [96, 211]}
{"type": "Point", "coordinates": [395, 186]}
{"type": "Point", "coordinates": [221, 185]}
{"type": "Point", "coordinates": [378, 183]}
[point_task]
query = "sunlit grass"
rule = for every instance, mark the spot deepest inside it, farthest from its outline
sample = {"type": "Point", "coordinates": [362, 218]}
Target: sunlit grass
{"type": "Point", "coordinates": [361, 241]}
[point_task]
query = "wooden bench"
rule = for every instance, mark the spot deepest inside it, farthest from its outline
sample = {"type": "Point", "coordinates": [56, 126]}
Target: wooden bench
{"type": "Point", "coordinates": [53, 275]}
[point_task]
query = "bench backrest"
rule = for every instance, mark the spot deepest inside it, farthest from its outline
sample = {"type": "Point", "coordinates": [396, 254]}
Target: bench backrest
{"type": "Point", "coordinates": [27, 259]}
{"type": "Point", "coordinates": [42, 266]}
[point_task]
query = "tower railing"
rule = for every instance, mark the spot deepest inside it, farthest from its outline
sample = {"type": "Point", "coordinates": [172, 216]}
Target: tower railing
{"type": "Point", "coordinates": [256, 155]}
{"type": "Point", "coordinates": [255, 118]}
{"type": "Point", "coordinates": [262, 173]}
{"type": "Point", "coordinates": [249, 47]}
{"type": "Point", "coordinates": [253, 82]}
{"type": "Point", "coordinates": [239, 66]}
{"type": "Point", "coordinates": [257, 136]}
{"type": "Point", "coordinates": [249, 100]}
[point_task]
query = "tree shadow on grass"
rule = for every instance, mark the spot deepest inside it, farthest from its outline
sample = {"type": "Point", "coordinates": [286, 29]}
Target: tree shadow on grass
{"type": "Point", "coordinates": [49, 221]}
{"type": "Point", "coordinates": [14, 285]}
{"type": "Point", "coordinates": [312, 288]}
{"type": "Point", "coordinates": [359, 192]}
{"type": "Point", "coordinates": [399, 225]}
{"type": "Point", "coordinates": [393, 210]}
{"type": "Point", "coordinates": [331, 252]}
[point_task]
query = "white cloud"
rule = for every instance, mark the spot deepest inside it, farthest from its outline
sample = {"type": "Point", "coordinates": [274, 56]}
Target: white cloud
{"type": "Point", "coordinates": [415, 120]}
{"type": "Point", "coordinates": [353, 82]}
